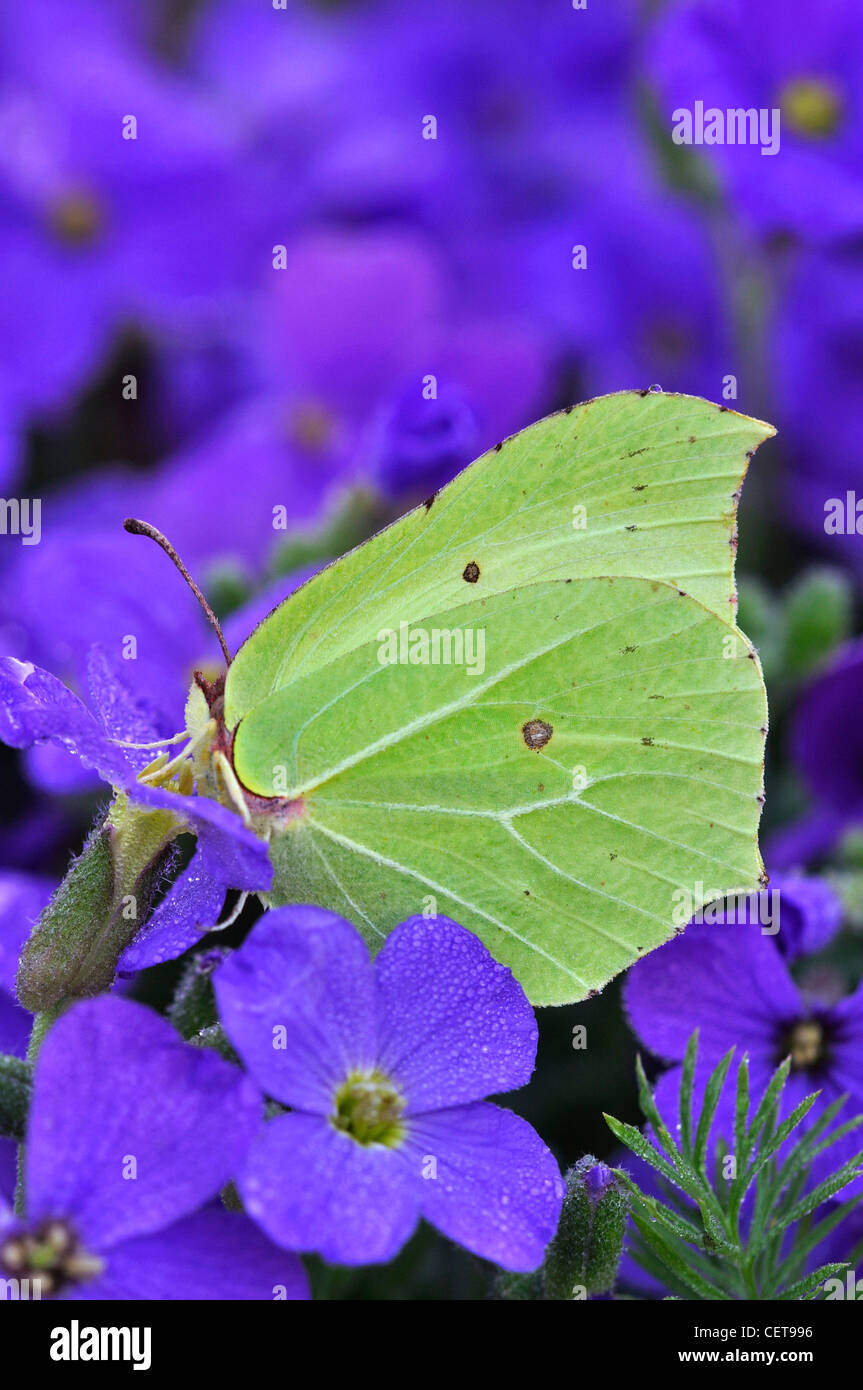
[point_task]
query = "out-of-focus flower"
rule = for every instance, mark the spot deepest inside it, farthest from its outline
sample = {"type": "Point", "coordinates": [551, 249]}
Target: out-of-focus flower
{"type": "Point", "coordinates": [444, 116]}
{"type": "Point", "coordinates": [370, 372]}
{"type": "Point", "coordinates": [663, 312]}
{"type": "Point", "coordinates": [827, 749]}
{"type": "Point", "coordinates": [131, 1135]}
{"type": "Point", "coordinates": [731, 983]}
{"type": "Point", "coordinates": [89, 583]}
{"type": "Point", "coordinates": [809, 914]}
{"type": "Point", "coordinates": [817, 372]}
{"type": "Point", "coordinates": [385, 1067]}
{"type": "Point", "coordinates": [733, 56]}
{"type": "Point", "coordinates": [114, 172]}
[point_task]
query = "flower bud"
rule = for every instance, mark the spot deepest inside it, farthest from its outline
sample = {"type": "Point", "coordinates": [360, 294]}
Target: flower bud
{"type": "Point", "coordinates": [97, 910]}
{"type": "Point", "coordinates": [583, 1258]}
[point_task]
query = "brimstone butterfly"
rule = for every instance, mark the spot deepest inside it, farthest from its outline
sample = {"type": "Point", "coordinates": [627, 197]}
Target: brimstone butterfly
{"type": "Point", "coordinates": [525, 705]}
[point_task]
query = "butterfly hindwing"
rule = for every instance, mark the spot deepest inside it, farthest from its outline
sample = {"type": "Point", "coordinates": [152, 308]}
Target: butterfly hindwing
{"type": "Point", "coordinates": [608, 751]}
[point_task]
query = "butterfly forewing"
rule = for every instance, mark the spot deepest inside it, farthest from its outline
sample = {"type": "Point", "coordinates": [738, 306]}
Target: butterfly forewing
{"type": "Point", "coordinates": [637, 483]}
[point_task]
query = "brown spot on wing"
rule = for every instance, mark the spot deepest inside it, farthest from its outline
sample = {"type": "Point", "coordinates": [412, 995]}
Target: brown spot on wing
{"type": "Point", "coordinates": [536, 733]}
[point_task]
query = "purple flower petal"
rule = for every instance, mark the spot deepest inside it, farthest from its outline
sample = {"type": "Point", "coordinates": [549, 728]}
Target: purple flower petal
{"type": "Point", "coordinates": [130, 1128]}
{"type": "Point", "coordinates": [727, 980]}
{"type": "Point", "coordinates": [455, 1025]}
{"type": "Point", "coordinates": [813, 837]}
{"type": "Point", "coordinates": [827, 719]}
{"type": "Point", "coordinates": [231, 854]}
{"type": "Point", "coordinates": [810, 915]}
{"type": "Point", "coordinates": [496, 1188]}
{"type": "Point", "coordinates": [35, 706]}
{"type": "Point", "coordinates": [212, 1255]}
{"type": "Point", "coordinates": [188, 910]}
{"type": "Point", "coordinates": [122, 714]}
{"type": "Point", "coordinates": [598, 1179]}
{"type": "Point", "coordinates": [312, 1187]}
{"type": "Point", "coordinates": [846, 1062]}
{"type": "Point", "coordinates": [22, 898]}
{"type": "Point", "coordinates": [298, 1003]}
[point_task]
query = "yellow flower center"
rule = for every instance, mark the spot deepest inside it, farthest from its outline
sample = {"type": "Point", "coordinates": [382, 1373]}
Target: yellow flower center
{"type": "Point", "coordinates": [50, 1256]}
{"type": "Point", "coordinates": [811, 107]}
{"type": "Point", "coordinates": [312, 427]}
{"type": "Point", "coordinates": [77, 219]}
{"type": "Point", "coordinates": [806, 1044]}
{"type": "Point", "coordinates": [369, 1109]}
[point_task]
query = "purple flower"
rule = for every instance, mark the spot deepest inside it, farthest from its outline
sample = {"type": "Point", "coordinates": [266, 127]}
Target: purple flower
{"type": "Point", "coordinates": [730, 54]}
{"type": "Point", "coordinates": [827, 735]}
{"type": "Point", "coordinates": [101, 221]}
{"type": "Point", "coordinates": [662, 317]}
{"type": "Point", "coordinates": [598, 1179]}
{"type": "Point", "coordinates": [523, 95]}
{"type": "Point", "coordinates": [368, 373]}
{"type": "Point", "coordinates": [36, 707]}
{"type": "Point", "coordinates": [89, 582]}
{"type": "Point", "coordinates": [131, 1136]}
{"type": "Point", "coordinates": [53, 610]}
{"type": "Point", "coordinates": [731, 983]}
{"type": "Point", "coordinates": [817, 351]}
{"type": "Point", "coordinates": [809, 914]}
{"type": "Point", "coordinates": [385, 1067]}
{"type": "Point", "coordinates": [827, 749]}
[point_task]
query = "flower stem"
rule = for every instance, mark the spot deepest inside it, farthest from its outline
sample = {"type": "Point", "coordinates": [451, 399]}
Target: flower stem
{"type": "Point", "coordinates": [41, 1024]}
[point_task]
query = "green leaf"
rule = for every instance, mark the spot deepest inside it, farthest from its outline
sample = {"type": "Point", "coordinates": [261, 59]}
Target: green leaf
{"type": "Point", "coordinates": [651, 1113]}
{"type": "Point", "coordinates": [687, 1081]}
{"type": "Point", "coordinates": [778, 1137]}
{"type": "Point", "coordinates": [635, 1140]}
{"type": "Point", "coordinates": [606, 747]}
{"type": "Point", "coordinates": [680, 1263]}
{"type": "Point", "coordinates": [712, 1093]}
{"type": "Point", "coordinates": [781, 1232]}
{"type": "Point", "coordinates": [806, 1288]}
{"type": "Point", "coordinates": [768, 1102]}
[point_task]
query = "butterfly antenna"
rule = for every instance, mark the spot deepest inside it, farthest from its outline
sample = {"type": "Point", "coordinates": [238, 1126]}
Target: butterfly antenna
{"type": "Point", "coordinates": [143, 528]}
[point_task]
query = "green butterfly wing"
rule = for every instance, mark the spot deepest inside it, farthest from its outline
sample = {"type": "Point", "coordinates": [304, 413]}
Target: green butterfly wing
{"type": "Point", "coordinates": [607, 750]}
{"type": "Point", "coordinates": [658, 477]}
